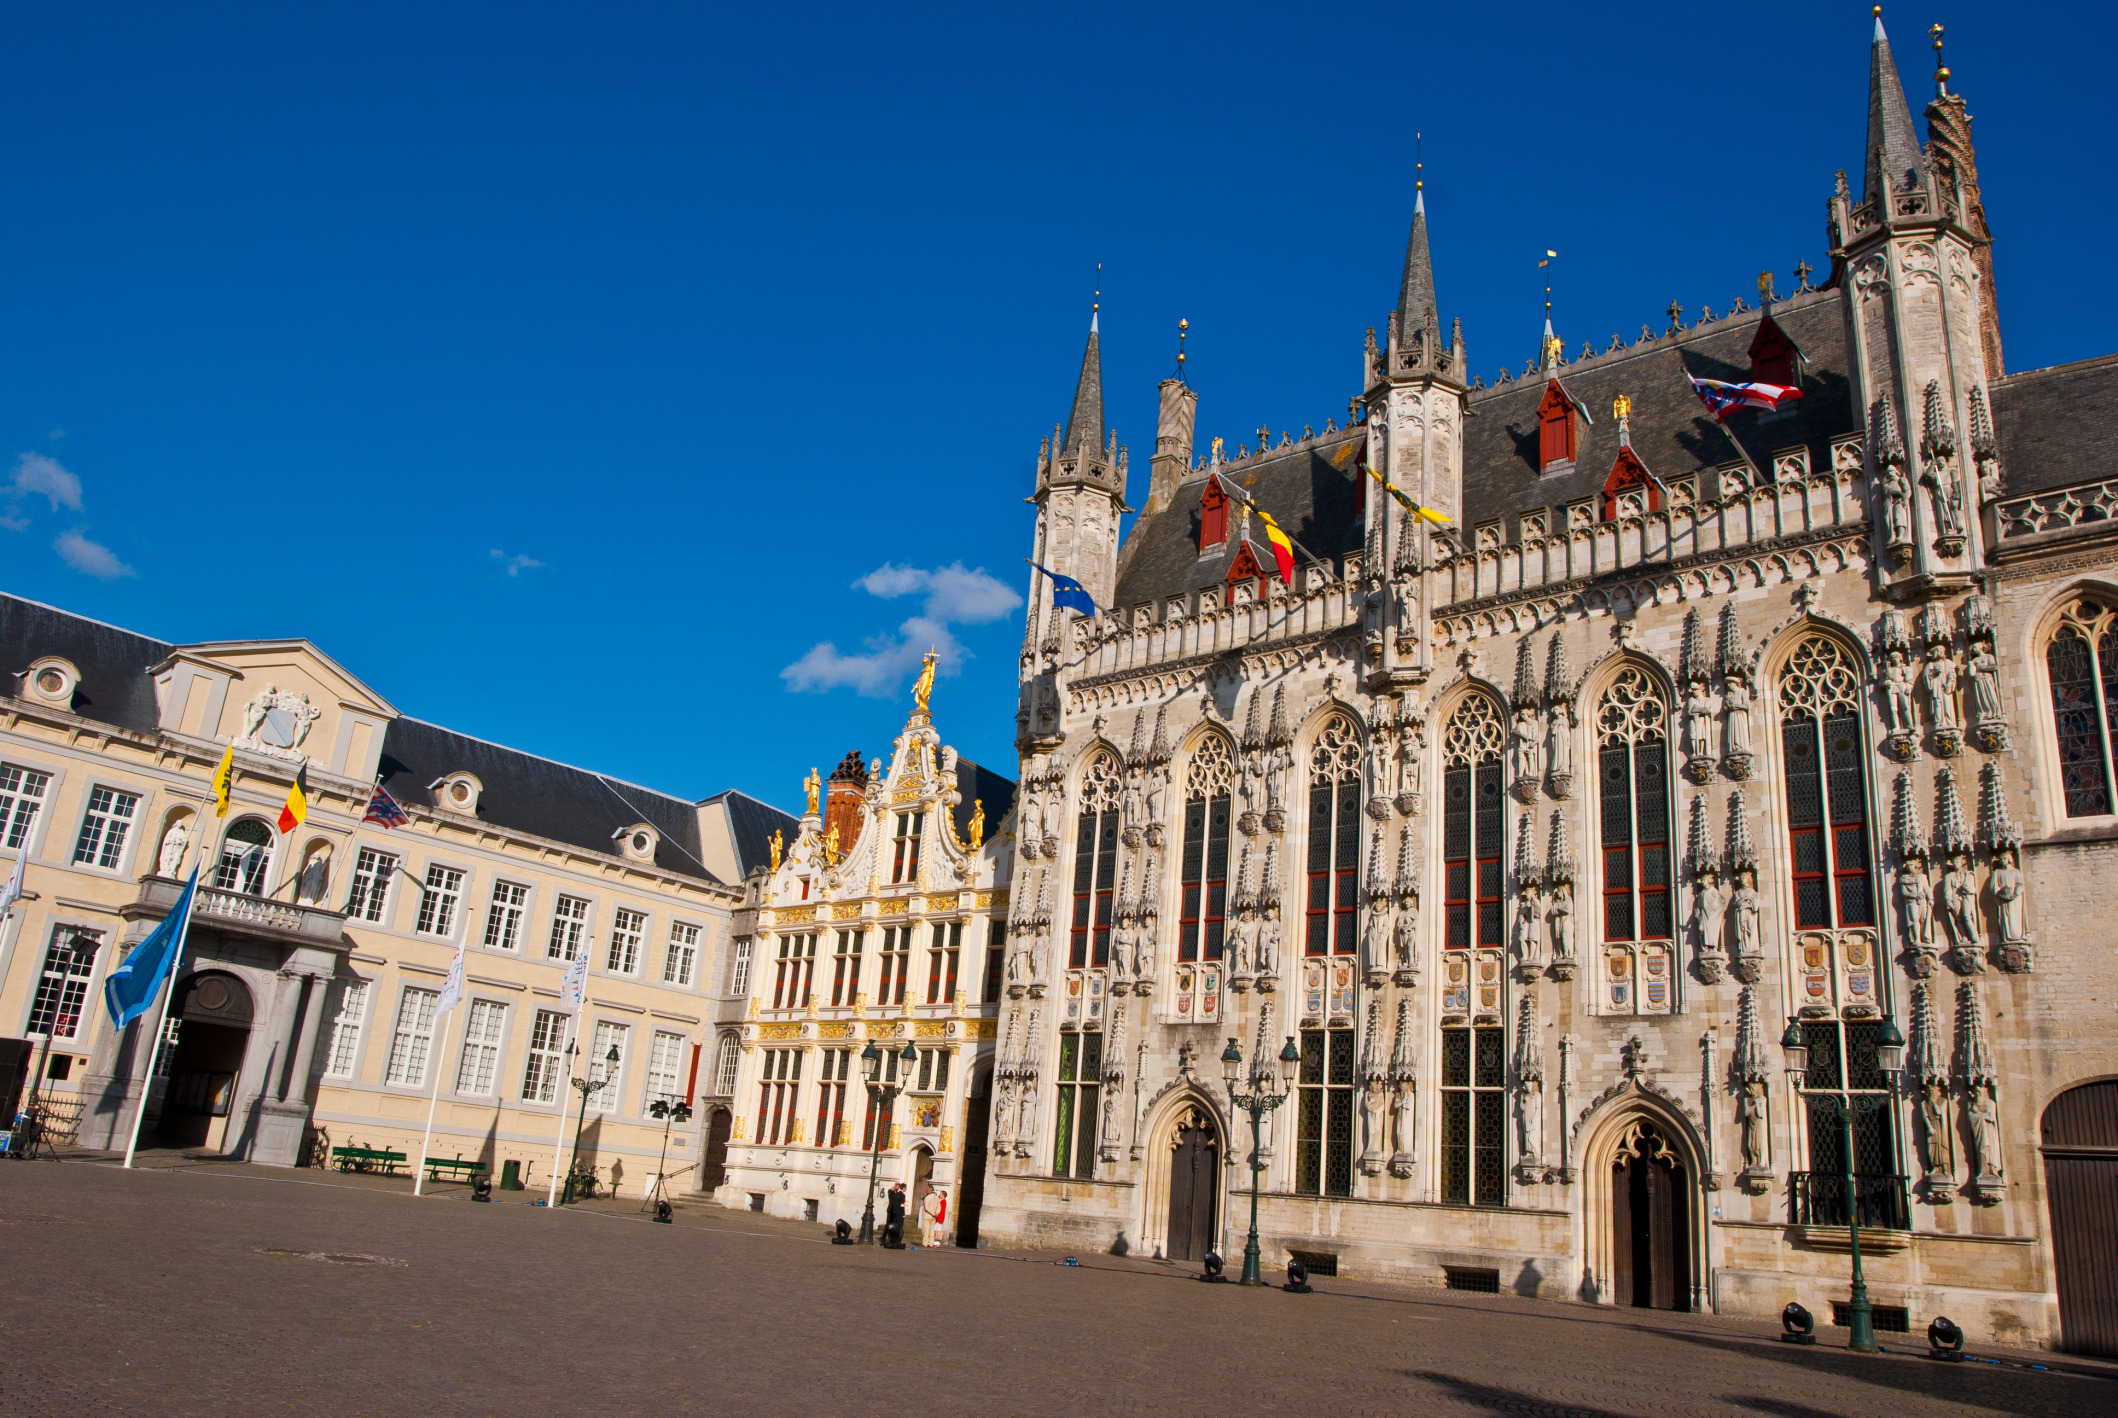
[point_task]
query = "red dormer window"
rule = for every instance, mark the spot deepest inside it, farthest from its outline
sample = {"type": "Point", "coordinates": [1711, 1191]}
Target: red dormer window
{"type": "Point", "coordinates": [1213, 516]}
{"type": "Point", "coordinates": [1628, 473]}
{"type": "Point", "coordinates": [1774, 358]}
{"type": "Point", "coordinates": [1246, 567]}
{"type": "Point", "coordinates": [1555, 427]}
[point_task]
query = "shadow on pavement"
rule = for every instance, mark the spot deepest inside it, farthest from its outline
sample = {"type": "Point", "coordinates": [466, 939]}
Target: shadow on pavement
{"type": "Point", "coordinates": [2003, 1388]}
{"type": "Point", "coordinates": [1508, 1400]}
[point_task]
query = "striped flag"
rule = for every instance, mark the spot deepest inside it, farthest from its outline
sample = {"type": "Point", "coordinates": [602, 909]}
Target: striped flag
{"type": "Point", "coordinates": [1723, 399]}
{"type": "Point", "coordinates": [296, 812]}
{"type": "Point", "coordinates": [383, 810]}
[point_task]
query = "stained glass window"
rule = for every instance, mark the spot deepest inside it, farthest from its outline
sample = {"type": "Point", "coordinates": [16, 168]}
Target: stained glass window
{"type": "Point", "coordinates": [1474, 1116]}
{"type": "Point", "coordinates": [1207, 786]}
{"type": "Point", "coordinates": [1827, 805]}
{"type": "Point", "coordinates": [1633, 761]}
{"type": "Point", "coordinates": [1323, 1156]}
{"type": "Point", "coordinates": [1080, 1084]}
{"type": "Point", "coordinates": [2081, 664]}
{"type": "Point", "coordinates": [1334, 839]}
{"type": "Point", "coordinates": [1095, 863]}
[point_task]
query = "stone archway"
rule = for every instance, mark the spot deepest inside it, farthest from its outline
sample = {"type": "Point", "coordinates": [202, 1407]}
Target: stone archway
{"type": "Point", "coordinates": [211, 1016]}
{"type": "Point", "coordinates": [1643, 1210]}
{"type": "Point", "coordinates": [1184, 1192]}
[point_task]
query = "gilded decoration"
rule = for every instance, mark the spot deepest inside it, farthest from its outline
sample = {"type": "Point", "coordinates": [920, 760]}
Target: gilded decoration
{"type": "Point", "coordinates": [948, 1138]}
{"type": "Point", "coordinates": [886, 1029]}
{"type": "Point", "coordinates": [894, 908]}
{"type": "Point", "coordinates": [795, 916]}
{"type": "Point", "coordinates": [779, 1031]}
{"type": "Point", "coordinates": [846, 911]}
{"type": "Point", "coordinates": [925, 1030]}
{"type": "Point", "coordinates": [905, 795]}
{"type": "Point", "coordinates": [981, 1028]}
{"type": "Point", "coordinates": [834, 1031]}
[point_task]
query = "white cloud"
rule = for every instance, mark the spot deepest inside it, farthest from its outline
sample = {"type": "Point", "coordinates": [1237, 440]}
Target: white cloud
{"type": "Point", "coordinates": [954, 596]}
{"type": "Point", "coordinates": [91, 558]}
{"type": "Point", "coordinates": [516, 564]}
{"type": "Point", "coordinates": [37, 475]}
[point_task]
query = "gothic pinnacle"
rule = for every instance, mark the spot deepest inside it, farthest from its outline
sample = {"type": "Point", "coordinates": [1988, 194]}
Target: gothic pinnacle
{"type": "Point", "coordinates": [1951, 835]}
{"type": "Point", "coordinates": [1906, 837]}
{"type": "Point", "coordinates": [1742, 856]}
{"type": "Point", "coordinates": [1692, 665]}
{"type": "Point", "coordinates": [1527, 872]}
{"type": "Point", "coordinates": [1699, 855]}
{"type": "Point", "coordinates": [1729, 653]}
{"type": "Point", "coordinates": [1525, 673]}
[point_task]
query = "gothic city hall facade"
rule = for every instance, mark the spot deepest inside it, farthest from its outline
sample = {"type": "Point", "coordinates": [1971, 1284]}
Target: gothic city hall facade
{"type": "Point", "coordinates": [1699, 801]}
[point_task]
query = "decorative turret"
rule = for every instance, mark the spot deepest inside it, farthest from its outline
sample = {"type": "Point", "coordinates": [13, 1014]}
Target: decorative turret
{"type": "Point", "coordinates": [1559, 860]}
{"type": "Point", "coordinates": [1254, 723]}
{"type": "Point", "coordinates": [1407, 868]}
{"type": "Point", "coordinates": [1373, 1069]}
{"type": "Point", "coordinates": [1929, 1052]}
{"type": "Point", "coordinates": [1246, 895]}
{"type": "Point", "coordinates": [1280, 734]}
{"type": "Point", "coordinates": [1378, 884]}
{"type": "Point", "coordinates": [1951, 835]}
{"type": "Point", "coordinates": [1699, 856]}
{"type": "Point", "coordinates": [1750, 1064]}
{"type": "Point", "coordinates": [1136, 752]}
{"type": "Point", "coordinates": [1894, 163]}
{"type": "Point", "coordinates": [1269, 891]}
{"type": "Point", "coordinates": [1529, 1061]}
{"type": "Point", "coordinates": [1995, 827]}
{"type": "Point", "coordinates": [1974, 1056]}
{"type": "Point", "coordinates": [1558, 682]}
{"type": "Point", "coordinates": [1693, 666]}
{"type": "Point", "coordinates": [1954, 161]}
{"type": "Point", "coordinates": [1527, 873]}
{"type": "Point", "coordinates": [1526, 696]}
{"type": "Point", "coordinates": [1729, 658]}
{"type": "Point", "coordinates": [1158, 752]}
{"type": "Point", "coordinates": [1906, 838]}
{"type": "Point", "coordinates": [1404, 1060]}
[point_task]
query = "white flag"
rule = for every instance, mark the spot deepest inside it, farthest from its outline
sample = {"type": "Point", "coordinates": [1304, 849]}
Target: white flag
{"type": "Point", "coordinates": [12, 892]}
{"type": "Point", "coordinates": [452, 987]}
{"type": "Point", "coordinates": [575, 988]}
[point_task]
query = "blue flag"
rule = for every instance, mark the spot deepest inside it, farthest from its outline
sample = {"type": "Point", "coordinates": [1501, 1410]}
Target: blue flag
{"type": "Point", "coordinates": [132, 987]}
{"type": "Point", "coordinates": [1068, 592]}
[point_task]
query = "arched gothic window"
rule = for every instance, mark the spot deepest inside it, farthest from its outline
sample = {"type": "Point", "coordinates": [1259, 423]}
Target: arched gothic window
{"type": "Point", "coordinates": [1473, 1059]}
{"type": "Point", "coordinates": [2082, 664]}
{"type": "Point", "coordinates": [1633, 761]}
{"type": "Point", "coordinates": [1827, 802]}
{"type": "Point", "coordinates": [1334, 838]}
{"type": "Point", "coordinates": [1471, 825]}
{"type": "Point", "coordinates": [243, 853]}
{"type": "Point", "coordinates": [1095, 862]}
{"type": "Point", "coordinates": [1206, 792]}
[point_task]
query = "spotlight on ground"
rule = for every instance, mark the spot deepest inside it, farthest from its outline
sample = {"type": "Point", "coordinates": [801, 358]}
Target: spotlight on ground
{"type": "Point", "coordinates": [1945, 1340]}
{"type": "Point", "coordinates": [1213, 1269]}
{"type": "Point", "coordinates": [1298, 1279]}
{"type": "Point", "coordinates": [1799, 1324]}
{"type": "Point", "coordinates": [665, 1213]}
{"type": "Point", "coordinates": [481, 1188]}
{"type": "Point", "coordinates": [842, 1234]}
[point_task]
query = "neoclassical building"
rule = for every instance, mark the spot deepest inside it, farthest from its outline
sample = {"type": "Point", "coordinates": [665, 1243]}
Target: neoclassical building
{"type": "Point", "coordinates": [1543, 834]}
{"type": "Point", "coordinates": [881, 924]}
{"type": "Point", "coordinates": [304, 1010]}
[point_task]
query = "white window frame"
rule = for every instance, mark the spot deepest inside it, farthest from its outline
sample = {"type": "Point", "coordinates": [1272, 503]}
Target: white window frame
{"type": "Point", "coordinates": [628, 940]}
{"type": "Point", "coordinates": [240, 882]}
{"type": "Point", "coordinates": [680, 957]}
{"type": "Point", "coordinates": [484, 1044]}
{"type": "Point", "coordinates": [515, 917]}
{"type": "Point", "coordinates": [727, 1066]}
{"type": "Point", "coordinates": [573, 928]}
{"type": "Point", "coordinates": [606, 1033]}
{"type": "Point", "coordinates": [18, 829]}
{"type": "Point", "coordinates": [411, 1039]}
{"type": "Point", "coordinates": [440, 921]}
{"type": "Point", "coordinates": [342, 1056]}
{"type": "Point", "coordinates": [371, 903]}
{"type": "Point", "coordinates": [656, 1088]}
{"type": "Point", "coordinates": [77, 989]}
{"type": "Point", "coordinates": [739, 967]}
{"type": "Point", "coordinates": [545, 1064]}
{"type": "Point", "coordinates": [127, 836]}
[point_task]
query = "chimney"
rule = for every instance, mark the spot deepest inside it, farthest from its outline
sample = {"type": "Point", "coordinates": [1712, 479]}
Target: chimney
{"type": "Point", "coordinates": [1173, 427]}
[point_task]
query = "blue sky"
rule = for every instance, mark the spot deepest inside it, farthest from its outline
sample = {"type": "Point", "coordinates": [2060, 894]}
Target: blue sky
{"type": "Point", "coordinates": [646, 385]}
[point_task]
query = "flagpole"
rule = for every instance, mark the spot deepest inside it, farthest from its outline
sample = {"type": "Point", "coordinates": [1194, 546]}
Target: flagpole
{"type": "Point", "coordinates": [419, 1172]}
{"type": "Point", "coordinates": [161, 1018]}
{"type": "Point", "coordinates": [559, 1092]}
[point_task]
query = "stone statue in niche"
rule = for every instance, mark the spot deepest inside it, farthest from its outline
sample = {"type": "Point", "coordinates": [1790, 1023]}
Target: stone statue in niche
{"type": "Point", "coordinates": [1121, 954]}
{"type": "Point", "coordinates": [1982, 1135]}
{"type": "Point", "coordinates": [1735, 707]}
{"type": "Point", "coordinates": [1026, 1134]}
{"type": "Point", "coordinates": [1131, 803]}
{"type": "Point", "coordinates": [2007, 896]}
{"type": "Point", "coordinates": [1941, 686]}
{"type": "Point", "coordinates": [1699, 729]}
{"type": "Point", "coordinates": [1563, 929]}
{"type": "Point", "coordinates": [1378, 773]}
{"type": "Point", "coordinates": [1375, 941]}
{"type": "Point", "coordinates": [1915, 905]}
{"type": "Point", "coordinates": [1709, 917]}
{"type": "Point", "coordinates": [1559, 750]}
{"type": "Point", "coordinates": [1750, 944]}
{"type": "Point", "coordinates": [1525, 750]}
{"type": "Point", "coordinates": [1242, 945]}
{"type": "Point", "coordinates": [1986, 712]}
{"type": "Point", "coordinates": [1407, 1127]}
{"type": "Point", "coordinates": [1269, 945]}
{"type": "Point", "coordinates": [1529, 931]}
{"type": "Point", "coordinates": [1899, 710]}
{"type": "Point", "coordinates": [1941, 1158]}
{"type": "Point", "coordinates": [1960, 911]}
{"type": "Point", "coordinates": [315, 876]}
{"type": "Point", "coordinates": [1375, 1114]}
{"type": "Point", "coordinates": [1157, 789]}
{"type": "Point", "coordinates": [1405, 939]}
{"type": "Point", "coordinates": [175, 842]}
{"type": "Point", "coordinates": [1753, 1116]}
{"type": "Point", "coordinates": [1897, 518]}
{"type": "Point", "coordinates": [1410, 756]}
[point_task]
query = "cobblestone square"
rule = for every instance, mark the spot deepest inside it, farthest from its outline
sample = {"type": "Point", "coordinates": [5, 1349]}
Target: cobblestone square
{"type": "Point", "coordinates": [190, 1288]}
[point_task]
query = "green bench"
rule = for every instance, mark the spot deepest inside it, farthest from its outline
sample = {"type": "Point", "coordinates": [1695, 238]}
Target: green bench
{"type": "Point", "coordinates": [367, 1159]}
{"type": "Point", "coordinates": [458, 1169]}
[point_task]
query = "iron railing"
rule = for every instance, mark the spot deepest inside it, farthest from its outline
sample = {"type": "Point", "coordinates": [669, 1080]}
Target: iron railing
{"type": "Point", "coordinates": [1819, 1199]}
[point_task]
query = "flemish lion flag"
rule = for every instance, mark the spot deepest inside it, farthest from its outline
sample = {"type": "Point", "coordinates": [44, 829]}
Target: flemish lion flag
{"type": "Point", "coordinates": [221, 781]}
{"type": "Point", "coordinates": [296, 812]}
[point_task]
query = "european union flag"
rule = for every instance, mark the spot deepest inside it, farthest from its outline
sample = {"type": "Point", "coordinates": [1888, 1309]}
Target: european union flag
{"type": "Point", "coordinates": [132, 987]}
{"type": "Point", "coordinates": [1068, 592]}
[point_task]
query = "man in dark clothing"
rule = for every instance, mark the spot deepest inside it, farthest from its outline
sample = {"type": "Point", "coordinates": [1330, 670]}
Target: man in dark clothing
{"type": "Point", "coordinates": [894, 1217]}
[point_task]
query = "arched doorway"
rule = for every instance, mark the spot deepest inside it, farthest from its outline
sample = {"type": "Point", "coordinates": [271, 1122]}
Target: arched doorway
{"type": "Point", "coordinates": [2080, 1146]}
{"type": "Point", "coordinates": [1650, 1222]}
{"type": "Point", "coordinates": [970, 1187]}
{"type": "Point", "coordinates": [1194, 1186]}
{"type": "Point", "coordinates": [211, 1016]}
{"type": "Point", "coordinates": [713, 1168]}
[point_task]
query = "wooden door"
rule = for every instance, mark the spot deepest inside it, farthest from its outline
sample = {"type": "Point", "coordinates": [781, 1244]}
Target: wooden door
{"type": "Point", "coordinates": [713, 1170]}
{"type": "Point", "coordinates": [970, 1192]}
{"type": "Point", "coordinates": [1194, 1177]}
{"type": "Point", "coordinates": [1622, 1237]}
{"type": "Point", "coordinates": [2080, 1136]}
{"type": "Point", "coordinates": [1650, 1227]}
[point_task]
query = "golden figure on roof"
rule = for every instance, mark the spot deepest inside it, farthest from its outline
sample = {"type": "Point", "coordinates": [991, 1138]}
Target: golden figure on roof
{"type": "Point", "coordinates": [977, 823]}
{"type": "Point", "coordinates": [778, 845]}
{"type": "Point", "coordinates": [812, 785]}
{"type": "Point", "coordinates": [921, 688]}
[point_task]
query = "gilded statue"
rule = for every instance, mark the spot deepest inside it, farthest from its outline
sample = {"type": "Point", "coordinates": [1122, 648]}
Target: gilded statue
{"type": "Point", "coordinates": [778, 845]}
{"type": "Point", "coordinates": [977, 823]}
{"type": "Point", "coordinates": [923, 687]}
{"type": "Point", "coordinates": [813, 786]}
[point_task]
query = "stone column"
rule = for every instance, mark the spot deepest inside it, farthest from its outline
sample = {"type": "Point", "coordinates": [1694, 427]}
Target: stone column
{"type": "Point", "coordinates": [281, 1117]}
{"type": "Point", "coordinates": [308, 1024]}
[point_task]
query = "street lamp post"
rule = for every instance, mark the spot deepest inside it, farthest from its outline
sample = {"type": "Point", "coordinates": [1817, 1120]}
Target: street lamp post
{"type": "Point", "coordinates": [672, 1111]}
{"type": "Point", "coordinates": [587, 1087]}
{"type": "Point", "coordinates": [881, 1096]}
{"type": "Point", "coordinates": [1266, 1092]}
{"type": "Point", "coordinates": [1890, 1058]}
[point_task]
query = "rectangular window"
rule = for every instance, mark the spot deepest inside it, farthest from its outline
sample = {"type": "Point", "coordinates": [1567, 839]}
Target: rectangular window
{"type": "Point", "coordinates": [609, 1035]}
{"type": "Point", "coordinates": [904, 864]}
{"type": "Point", "coordinates": [831, 1097]}
{"type": "Point", "coordinates": [21, 798]}
{"type": "Point", "coordinates": [739, 969]}
{"type": "Point", "coordinates": [1827, 822]}
{"type": "Point", "coordinates": [62, 988]}
{"type": "Point", "coordinates": [845, 967]}
{"type": "Point", "coordinates": [569, 928]}
{"type": "Point", "coordinates": [1843, 1061]}
{"type": "Point", "coordinates": [996, 955]}
{"type": "Point", "coordinates": [941, 961]}
{"type": "Point", "coordinates": [1205, 905]}
{"type": "Point", "coordinates": [1636, 856]}
{"type": "Point", "coordinates": [627, 930]}
{"type": "Point", "coordinates": [412, 1039]}
{"type": "Point", "coordinates": [797, 967]}
{"type": "Point", "coordinates": [344, 1049]}
{"type": "Point", "coordinates": [779, 1097]}
{"type": "Point", "coordinates": [540, 1076]}
{"type": "Point", "coordinates": [104, 826]}
{"type": "Point", "coordinates": [1080, 1083]}
{"type": "Point", "coordinates": [665, 1056]}
{"type": "Point", "coordinates": [896, 964]}
{"type": "Point", "coordinates": [484, 1032]}
{"type": "Point", "coordinates": [1474, 1116]}
{"type": "Point", "coordinates": [681, 965]}
{"type": "Point", "coordinates": [1323, 1161]}
{"type": "Point", "coordinates": [438, 903]}
{"type": "Point", "coordinates": [1095, 878]}
{"type": "Point", "coordinates": [503, 919]}
{"type": "Point", "coordinates": [933, 1071]}
{"type": "Point", "coordinates": [242, 864]}
{"type": "Point", "coordinates": [1334, 868]}
{"type": "Point", "coordinates": [1471, 856]}
{"type": "Point", "coordinates": [371, 884]}
{"type": "Point", "coordinates": [724, 1072]}
{"type": "Point", "coordinates": [875, 1130]}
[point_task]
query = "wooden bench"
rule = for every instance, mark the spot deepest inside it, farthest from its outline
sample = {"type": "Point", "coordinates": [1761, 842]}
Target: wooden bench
{"type": "Point", "coordinates": [461, 1170]}
{"type": "Point", "coordinates": [367, 1159]}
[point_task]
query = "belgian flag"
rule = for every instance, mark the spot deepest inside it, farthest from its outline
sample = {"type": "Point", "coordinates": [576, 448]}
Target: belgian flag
{"type": "Point", "coordinates": [296, 812]}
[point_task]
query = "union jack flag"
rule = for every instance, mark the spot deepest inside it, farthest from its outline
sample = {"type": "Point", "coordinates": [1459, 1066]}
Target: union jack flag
{"type": "Point", "coordinates": [383, 810]}
{"type": "Point", "coordinates": [1721, 398]}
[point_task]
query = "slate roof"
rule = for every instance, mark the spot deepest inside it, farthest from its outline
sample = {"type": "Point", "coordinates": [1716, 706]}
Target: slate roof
{"type": "Point", "coordinates": [973, 784]}
{"type": "Point", "coordinates": [2057, 426]}
{"type": "Point", "coordinates": [751, 824]}
{"type": "Point", "coordinates": [114, 688]}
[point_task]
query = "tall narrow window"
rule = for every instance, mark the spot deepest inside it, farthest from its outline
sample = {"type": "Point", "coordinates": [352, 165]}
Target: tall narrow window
{"type": "Point", "coordinates": [995, 960]}
{"type": "Point", "coordinates": [1323, 1157]}
{"type": "Point", "coordinates": [681, 964]}
{"type": "Point", "coordinates": [797, 965]}
{"type": "Point", "coordinates": [845, 967]}
{"type": "Point", "coordinates": [371, 884]}
{"type": "Point", "coordinates": [21, 796]}
{"type": "Point", "coordinates": [1080, 1083]}
{"type": "Point", "coordinates": [665, 1053]}
{"type": "Point", "coordinates": [104, 827]}
{"type": "Point", "coordinates": [896, 964]}
{"type": "Point", "coordinates": [942, 957]}
{"type": "Point", "coordinates": [1633, 760]}
{"type": "Point", "coordinates": [438, 903]}
{"type": "Point", "coordinates": [739, 968]}
{"type": "Point", "coordinates": [1334, 839]}
{"type": "Point", "coordinates": [344, 1049]}
{"type": "Point", "coordinates": [609, 1035]}
{"type": "Point", "coordinates": [779, 1097]}
{"type": "Point", "coordinates": [1843, 1061]}
{"type": "Point", "coordinates": [503, 919]}
{"type": "Point", "coordinates": [627, 930]}
{"type": "Point", "coordinates": [904, 860]}
{"type": "Point", "coordinates": [243, 852]}
{"type": "Point", "coordinates": [2081, 663]}
{"type": "Point", "coordinates": [831, 1097]}
{"type": "Point", "coordinates": [569, 926]}
{"type": "Point", "coordinates": [484, 1032]}
{"type": "Point", "coordinates": [875, 1128]}
{"type": "Point", "coordinates": [1095, 863]}
{"type": "Point", "coordinates": [1827, 803]}
{"type": "Point", "coordinates": [69, 964]}
{"type": "Point", "coordinates": [1471, 826]}
{"type": "Point", "coordinates": [933, 1072]}
{"type": "Point", "coordinates": [412, 1039]}
{"type": "Point", "coordinates": [725, 1070]}
{"type": "Point", "coordinates": [1208, 783]}
{"type": "Point", "coordinates": [547, 1060]}
{"type": "Point", "coordinates": [1474, 1116]}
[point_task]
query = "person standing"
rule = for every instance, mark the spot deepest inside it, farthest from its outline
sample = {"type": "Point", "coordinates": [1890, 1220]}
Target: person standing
{"type": "Point", "coordinates": [894, 1216]}
{"type": "Point", "coordinates": [933, 1210]}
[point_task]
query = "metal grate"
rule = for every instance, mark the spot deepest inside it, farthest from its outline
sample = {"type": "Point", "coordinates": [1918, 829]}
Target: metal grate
{"type": "Point", "coordinates": [1316, 1262]}
{"type": "Point", "coordinates": [1887, 1319]}
{"type": "Point", "coordinates": [1482, 1280]}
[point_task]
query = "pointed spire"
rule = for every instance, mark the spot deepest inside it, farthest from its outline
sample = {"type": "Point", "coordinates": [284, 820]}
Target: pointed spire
{"type": "Point", "coordinates": [1150, 889]}
{"type": "Point", "coordinates": [1694, 668]}
{"type": "Point", "coordinates": [1041, 915]}
{"type": "Point", "coordinates": [1984, 447]}
{"type": "Point", "coordinates": [1699, 856]}
{"type": "Point", "coordinates": [1558, 680]}
{"type": "Point", "coordinates": [1378, 884]}
{"type": "Point", "coordinates": [1750, 1064]}
{"type": "Point", "coordinates": [1136, 752]}
{"type": "Point", "coordinates": [1416, 315]}
{"type": "Point", "coordinates": [1373, 1070]}
{"type": "Point", "coordinates": [1407, 878]}
{"type": "Point", "coordinates": [1124, 908]}
{"type": "Point", "coordinates": [1930, 1059]}
{"type": "Point", "coordinates": [1951, 834]}
{"type": "Point", "coordinates": [1269, 892]}
{"type": "Point", "coordinates": [1905, 834]}
{"type": "Point", "coordinates": [1279, 734]}
{"type": "Point", "coordinates": [1889, 449]}
{"type": "Point", "coordinates": [1529, 1063]}
{"type": "Point", "coordinates": [1404, 1066]}
{"type": "Point", "coordinates": [1254, 722]}
{"type": "Point", "coordinates": [1742, 856]}
{"type": "Point", "coordinates": [1084, 426]}
{"type": "Point", "coordinates": [1158, 752]}
{"type": "Point", "coordinates": [1728, 655]}
{"type": "Point", "coordinates": [1894, 161]}
{"type": "Point", "coordinates": [1525, 673]}
{"type": "Point", "coordinates": [1262, 1059]}
{"type": "Point", "coordinates": [1246, 896]}
{"type": "Point", "coordinates": [1559, 860]}
{"type": "Point", "coordinates": [1974, 1056]}
{"type": "Point", "coordinates": [1527, 873]}
{"type": "Point", "coordinates": [1995, 827]}
{"type": "Point", "coordinates": [1937, 434]}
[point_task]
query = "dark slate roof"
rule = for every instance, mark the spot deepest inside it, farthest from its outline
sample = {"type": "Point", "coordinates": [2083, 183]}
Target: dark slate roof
{"type": "Point", "coordinates": [751, 824]}
{"type": "Point", "coordinates": [976, 784]}
{"type": "Point", "coordinates": [1311, 488]}
{"type": "Point", "coordinates": [2057, 426]}
{"type": "Point", "coordinates": [1670, 428]}
{"type": "Point", "coordinates": [535, 795]}
{"type": "Point", "coordinates": [115, 687]}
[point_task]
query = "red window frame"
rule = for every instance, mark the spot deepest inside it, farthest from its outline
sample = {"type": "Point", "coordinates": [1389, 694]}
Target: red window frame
{"type": "Point", "coordinates": [1332, 925]}
{"type": "Point", "coordinates": [1202, 919]}
{"type": "Point", "coordinates": [905, 864]}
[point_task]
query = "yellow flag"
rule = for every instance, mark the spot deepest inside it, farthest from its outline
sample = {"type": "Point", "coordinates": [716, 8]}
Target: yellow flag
{"type": "Point", "coordinates": [221, 784]}
{"type": "Point", "coordinates": [1438, 518]}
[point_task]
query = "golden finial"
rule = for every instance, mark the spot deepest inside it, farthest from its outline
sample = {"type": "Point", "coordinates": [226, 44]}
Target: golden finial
{"type": "Point", "coordinates": [1183, 329]}
{"type": "Point", "coordinates": [1621, 408]}
{"type": "Point", "coordinates": [1765, 287]}
{"type": "Point", "coordinates": [831, 847]}
{"type": "Point", "coordinates": [1217, 450]}
{"type": "Point", "coordinates": [1098, 302]}
{"type": "Point", "coordinates": [1419, 164]}
{"type": "Point", "coordinates": [812, 785]}
{"type": "Point", "coordinates": [1941, 70]}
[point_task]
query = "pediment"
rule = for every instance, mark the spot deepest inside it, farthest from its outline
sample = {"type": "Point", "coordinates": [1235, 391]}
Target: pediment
{"type": "Point", "coordinates": [283, 699]}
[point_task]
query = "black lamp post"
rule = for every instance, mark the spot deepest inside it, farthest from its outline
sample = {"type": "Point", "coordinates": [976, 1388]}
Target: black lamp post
{"type": "Point", "coordinates": [672, 1111]}
{"type": "Point", "coordinates": [587, 1086]}
{"type": "Point", "coordinates": [881, 1096]}
{"type": "Point", "coordinates": [1266, 1092]}
{"type": "Point", "coordinates": [1890, 1058]}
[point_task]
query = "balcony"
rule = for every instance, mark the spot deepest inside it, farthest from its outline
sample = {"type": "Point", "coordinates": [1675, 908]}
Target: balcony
{"type": "Point", "coordinates": [283, 923]}
{"type": "Point", "coordinates": [1817, 1201]}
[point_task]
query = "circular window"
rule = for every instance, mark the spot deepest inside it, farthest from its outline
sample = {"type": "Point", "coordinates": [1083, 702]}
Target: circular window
{"type": "Point", "coordinates": [50, 681]}
{"type": "Point", "coordinates": [461, 792]}
{"type": "Point", "coordinates": [639, 841]}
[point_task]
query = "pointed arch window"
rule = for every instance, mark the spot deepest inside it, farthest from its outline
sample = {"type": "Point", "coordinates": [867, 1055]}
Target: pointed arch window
{"type": "Point", "coordinates": [1095, 862]}
{"type": "Point", "coordinates": [1633, 763]}
{"type": "Point", "coordinates": [2081, 664]}
{"type": "Point", "coordinates": [1206, 792]}
{"type": "Point", "coordinates": [1827, 799]}
{"type": "Point", "coordinates": [1334, 839]}
{"type": "Point", "coordinates": [1472, 825]}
